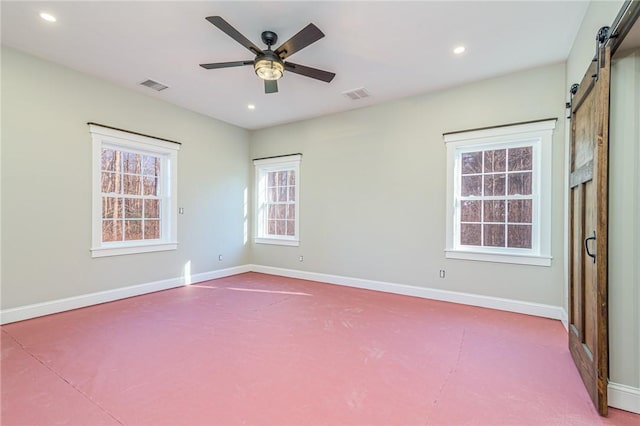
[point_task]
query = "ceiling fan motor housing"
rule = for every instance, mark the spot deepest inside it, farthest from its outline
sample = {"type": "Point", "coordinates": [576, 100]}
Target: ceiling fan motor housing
{"type": "Point", "coordinates": [269, 38]}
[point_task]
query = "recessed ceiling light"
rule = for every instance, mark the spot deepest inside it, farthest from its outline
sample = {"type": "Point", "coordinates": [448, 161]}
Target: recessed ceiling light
{"type": "Point", "coordinates": [251, 106]}
{"type": "Point", "coordinates": [48, 17]}
{"type": "Point", "coordinates": [459, 50]}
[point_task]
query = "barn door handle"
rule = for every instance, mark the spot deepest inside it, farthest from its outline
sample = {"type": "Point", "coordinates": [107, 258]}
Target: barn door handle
{"type": "Point", "coordinates": [586, 246]}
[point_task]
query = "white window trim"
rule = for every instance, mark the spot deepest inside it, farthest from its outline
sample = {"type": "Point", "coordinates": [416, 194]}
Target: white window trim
{"type": "Point", "coordinates": [271, 165]}
{"type": "Point", "coordinates": [541, 134]}
{"type": "Point", "coordinates": [104, 136]}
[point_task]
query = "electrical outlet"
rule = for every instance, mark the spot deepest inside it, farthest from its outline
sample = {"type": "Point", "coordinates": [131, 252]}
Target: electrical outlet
{"type": "Point", "coordinates": [301, 258]}
{"type": "Point", "coordinates": [220, 257]}
{"type": "Point", "coordinates": [181, 210]}
{"type": "Point", "coordinates": [442, 273]}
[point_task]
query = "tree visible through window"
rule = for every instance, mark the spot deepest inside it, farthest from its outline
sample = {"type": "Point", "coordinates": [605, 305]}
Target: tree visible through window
{"type": "Point", "coordinates": [130, 198]}
{"type": "Point", "coordinates": [496, 198]}
{"type": "Point", "coordinates": [281, 203]}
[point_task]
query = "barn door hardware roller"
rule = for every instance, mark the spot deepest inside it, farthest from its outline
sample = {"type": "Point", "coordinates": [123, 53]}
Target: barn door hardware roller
{"type": "Point", "coordinates": [601, 39]}
{"type": "Point", "coordinates": [572, 93]}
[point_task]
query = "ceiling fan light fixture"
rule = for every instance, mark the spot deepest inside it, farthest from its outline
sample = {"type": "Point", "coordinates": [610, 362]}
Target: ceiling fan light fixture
{"type": "Point", "coordinates": [268, 69]}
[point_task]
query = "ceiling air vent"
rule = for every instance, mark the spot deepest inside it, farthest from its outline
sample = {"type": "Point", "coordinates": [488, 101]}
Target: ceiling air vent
{"type": "Point", "coordinates": [356, 94]}
{"type": "Point", "coordinates": [154, 85]}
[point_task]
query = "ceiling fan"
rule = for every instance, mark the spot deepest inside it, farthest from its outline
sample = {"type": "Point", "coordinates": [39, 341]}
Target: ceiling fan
{"type": "Point", "coordinates": [269, 64]}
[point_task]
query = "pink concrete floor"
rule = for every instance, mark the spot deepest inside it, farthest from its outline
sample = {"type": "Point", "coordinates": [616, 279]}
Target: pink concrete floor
{"type": "Point", "coordinates": [264, 350]}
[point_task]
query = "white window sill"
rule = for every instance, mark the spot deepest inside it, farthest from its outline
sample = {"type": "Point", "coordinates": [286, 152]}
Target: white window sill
{"type": "Point", "coordinates": [521, 259]}
{"type": "Point", "coordinates": [277, 241]}
{"type": "Point", "coordinates": [132, 249]}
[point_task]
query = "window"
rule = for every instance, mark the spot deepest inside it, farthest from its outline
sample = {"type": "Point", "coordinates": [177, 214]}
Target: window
{"type": "Point", "coordinates": [134, 187]}
{"type": "Point", "coordinates": [277, 188]}
{"type": "Point", "coordinates": [499, 194]}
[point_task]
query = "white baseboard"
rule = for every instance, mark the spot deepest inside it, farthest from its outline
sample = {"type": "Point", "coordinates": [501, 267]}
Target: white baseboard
{"type": "Point", "coordinates": [60, 305]}
{"type": "Point", "coordinates": [529, 308]}
{"type": "Point", "coordinates": [565, 319]}
{"type": "Point", "coordinates": [624, 397]}
{"type": "Point", "coordinates": [54, 306]}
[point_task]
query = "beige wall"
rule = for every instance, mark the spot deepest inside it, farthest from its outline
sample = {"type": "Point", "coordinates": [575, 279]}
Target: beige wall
{"type": "Point", "coordinates": [624, 252]}
{"type": "Point", "coordinates": [373, 188]}
{"type": "Point", "coordinates": [46, 184]}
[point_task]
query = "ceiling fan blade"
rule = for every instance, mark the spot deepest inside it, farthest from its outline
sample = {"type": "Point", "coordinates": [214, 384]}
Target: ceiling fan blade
{"type": "Point", "coordinates": [226, 64]}
{"type": "Point", "coordinates": [309, 72]}
{"type": "Point", "coordinates": [226, 28]}
{"type": "Point", "coordinates": [302, 39]}
{"type": "Point", "coordinates": [271, 86]}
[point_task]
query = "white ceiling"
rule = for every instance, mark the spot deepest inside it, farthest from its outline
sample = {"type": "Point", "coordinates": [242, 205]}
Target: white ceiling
{"type": "Point", "coordinates": [393, 49]}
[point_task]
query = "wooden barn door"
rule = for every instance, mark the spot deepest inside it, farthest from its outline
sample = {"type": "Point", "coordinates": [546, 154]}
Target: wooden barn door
{"type": "Point", "coordinates": [588, 312]}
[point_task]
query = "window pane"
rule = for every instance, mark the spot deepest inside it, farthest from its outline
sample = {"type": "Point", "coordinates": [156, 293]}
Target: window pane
{"type": "Point", "coordinates": [470, 211]}
{"type": "Point", "coordinates": [132, 230]}
{"type": "Point", "coordinates": [273, 194]}
{"type": "Point", "coordinates": [111, 230]}
{"type": "Point", "coordinates": [272, 178]}
{"type": "Point", "coordinates": [133, 208]}
{"type": "Point", "coordinates": [150, 165]}
{"type": "Point", "coordinates": [132, 185]}
{"type": "Point", "coordinates": [271, 227]}
{"type": "Point", "coordinates": [292, 193]}
{"type": "Point", "coordinates": [271, 211]}
{"type": "Point", "coordinates": [494, 235]}
{"type": "Point", "coordinates": [494, 211]}
{"type": "Point", "coordinates": [520, 183]}
{"type": "Point", "coordinates": [291, 211]}
{"type": "Point", "coordinates": [152, 208]}
{"type": "Point", "coordinates": [291, 227]}
{"type": "Point", "coordinates": [494, 185]}
{"type": "Point", "coordinates": [519, 236]}
{"type": "Point", "coordinates": [131, 162]}
{"type": "Point", "coordinates": [282, 178]}
{"type": "Point", "coordinates": [282, 193]}
{"type": "Point", "coordinates": [108, 159]}
{"type": "Point", "coordinates": [281, 211]}
{"type": "Point", "coordinates": [292, 177]}
{"type": "Point", "coordinates": [521, 158]}
{"type": "Point", "coordinates": [520, 211]}
{"type": "Point", "coordinates": [470, 234]}
{"type": "Point", "coordinates": [150, 186]}
{"type": "Point", "coordinates": [151, 229]}
{"type": "Point", "coordinates": [471, 185]}
{"type": "Point", "coordinates": [111, 207]}
{"type": "Point", "coordinates": [495, 160]}
{"type": "Point", "coordinates": [110, 182]}
{"type": "Point", "coordinates": [471, 162]}
{"type": "Point", "coordinates": [281, 227]}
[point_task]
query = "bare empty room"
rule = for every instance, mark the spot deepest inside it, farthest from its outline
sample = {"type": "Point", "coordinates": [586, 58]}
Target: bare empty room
{"type": "Point", "coordinates": [320, 213]}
